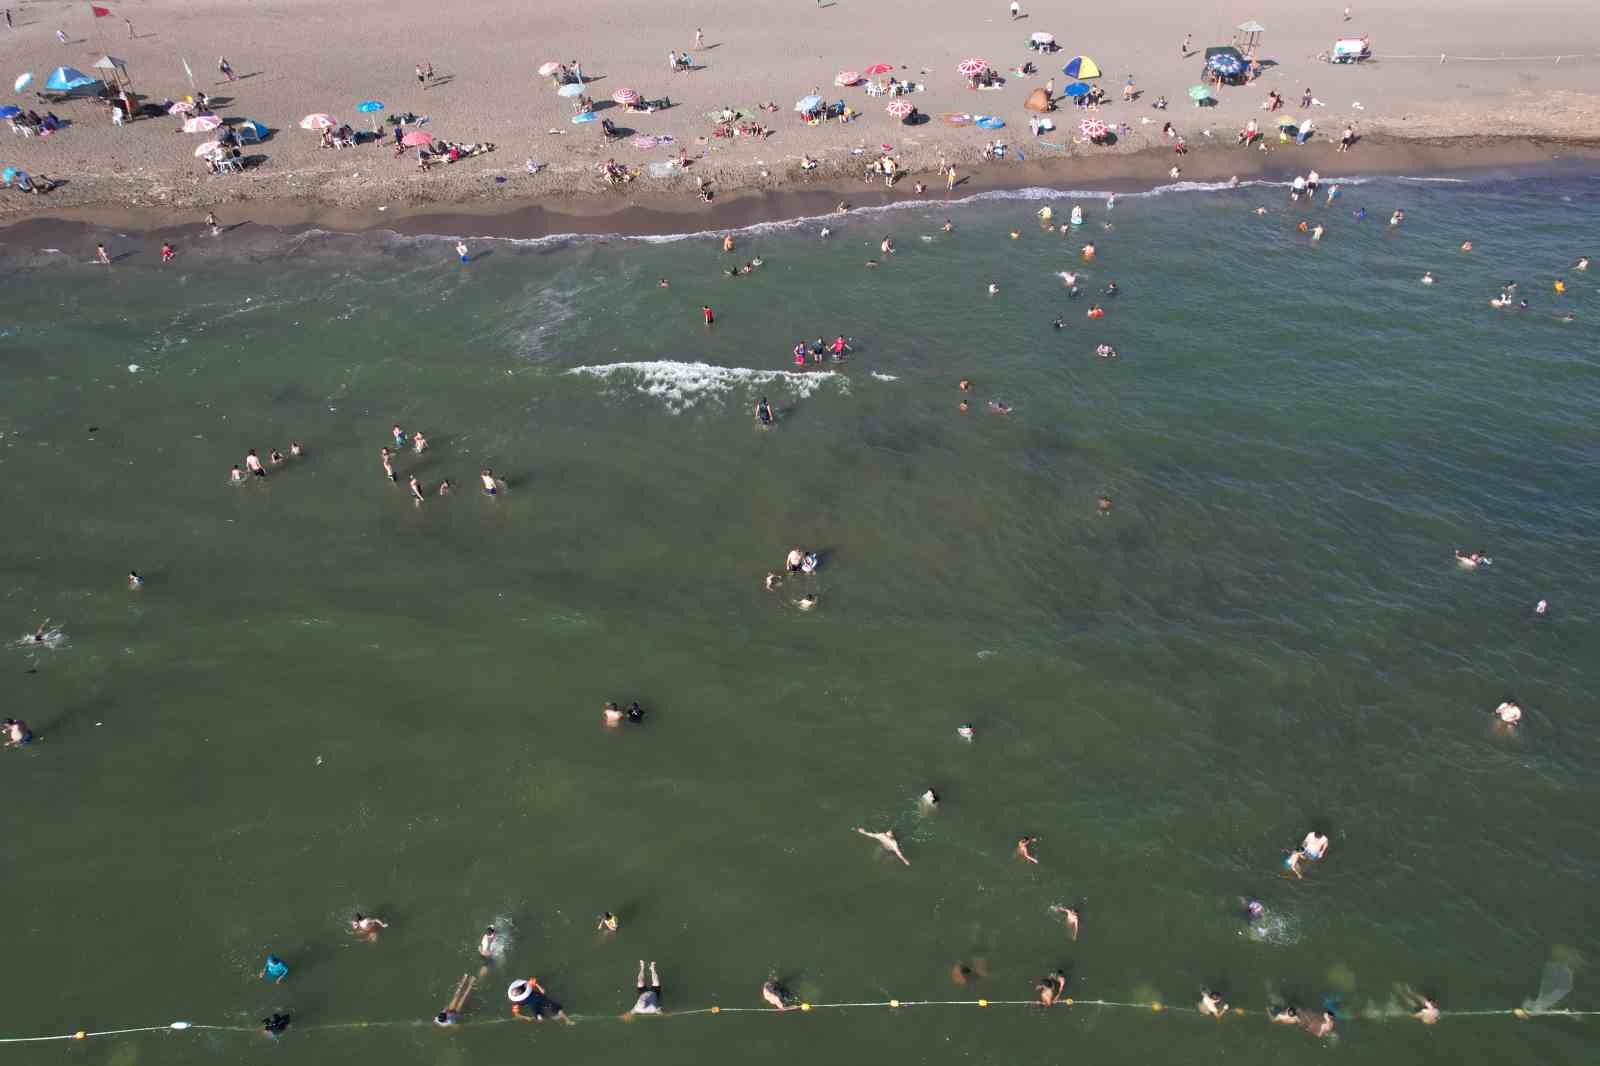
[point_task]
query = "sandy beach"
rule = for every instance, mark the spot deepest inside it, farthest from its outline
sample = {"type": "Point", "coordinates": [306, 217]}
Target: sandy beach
{"type": "Point", "coordinates": [1411, 110]}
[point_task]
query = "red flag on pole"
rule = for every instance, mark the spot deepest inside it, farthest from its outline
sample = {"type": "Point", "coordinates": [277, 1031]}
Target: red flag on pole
{"type": "Point", "coordinates": [99, 12]}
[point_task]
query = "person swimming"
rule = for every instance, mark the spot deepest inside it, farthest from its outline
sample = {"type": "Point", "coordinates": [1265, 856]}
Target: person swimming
{"type": "Point", "coordinates": [607, 924]}
{"type": "Point", "coordinates": [387, 458]}
{"type": "Point", "coordinates": [1472, 560]}
{"type": "Point", "coordinates": [649, 1001]}
{"type": "Point", "coordinates": [1541, 608]}
{"type": "Point", "coordinates": [929, 799]}
{"type": "Point", "coordinates": [488, 943]}
{"type": "Point", "coordinates": [236, 475]}
{"type": "Point", "coordinates": [993, 289]}
{"type": "Point", "coordinates": [775, 996]}
{"type": "Point", "coordinates": [451, 1015]}
{"type": "Point", "coordinates": [1088, 251]}
{"type": "Point", "coordinates": [1508, 713]}
{"type": "Point", "coordinates": [965, 731]}
{"type": "Point", "coordinates": [275, 970]}
{"type": "Point", "coordinates": [419, 443]}
{"type": "Point", "coordinates": [16, 732]}
{"type": "Point", "coordinates": [416, 488]}
{"type": "Point", "coordinates": [1050, 988]}
{"type": "Point", "coordinates": [1291, 862]}
{"type": "Point", "coordinates": [807, 602]}
{"type": "Point", "coordinates": [1427, 277]}
{"type": "Point", "coordinates": [1105, 351]}
{"type": "Point", "coordinates": [134, 580]}
{"type": "Point", "coordinates": [611, 714]}
{"type": "Point", "coordinates": [1212, 1005]}
{"type": "Point", "coordinates": [275, 457]}
{"type": "Point", "coordinates": [1397, 218]}
{"type": "Point", "coordinates": [530, 1002]}
{"type": "Point", "coordinates": [635, 713]}
{"type": "Point", "coordinates": [1095, 311]}
{"type": "Point", "coordinates": [1254, 910]}
{"type": "Point", "coordinates": [1103, 505]}
{"type": "Point", "coordinates": [1070, 916]}
{"type": "Point", "coordinates": [888, 842]}
{"type": "Point", "coordinates": [490, 486]}
{"type": "Point", "coordinates": [252, 462]}
{"type": "Point", "coordinates": [399, 436]}
{"type": "Point", "coordinates": [275, 1024]}
{"type": "Point", "coordinates": [1110, 289]}
{"type": "Point", "coordinates": [1315, 846]}
{"type": "Point", "coordinates": [1059, 323]}
{"type": "Point", "coordinates": [794, 560]}
{"type": "Point", "coordinates": [809, 564]}
{"type": "Point", "coordinates": [773, 580]}
{"type": "Point", "coordinates": [1025, 849]}
{"type": "Point", "coordinates": [764, 412]}
{"type": "Point", "coordinates": [296, 449]}
{"type": "Point", "coordinates": [1285, 1015]}
{"type": "Point", "coordinates": [365, 925]}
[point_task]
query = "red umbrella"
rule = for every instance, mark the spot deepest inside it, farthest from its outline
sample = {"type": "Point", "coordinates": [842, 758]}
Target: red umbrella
{"type": "Point", "coordinates": [626, 96]}
{"type": "Point", "coordinates": [846, 77]}
{"type": "Point", "coordinates": [900, 109]}
{"type": "Point", "coordinates": [973, 67]}
{"type": "Point", "coordinates": [416, 138]}
{"type": "Point", "coordinates": [878, 68]}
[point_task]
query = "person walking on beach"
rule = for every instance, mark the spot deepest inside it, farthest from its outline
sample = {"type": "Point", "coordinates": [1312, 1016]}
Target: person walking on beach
{"type": "Point", "coordinates": [224, 67]}
{"type": "Point", "coordinates": [1016, 10]}
{"type": "Point", "coordinates": [9, 24]}
{"type": "Point", "coordinates": [950, 179]}
{"type": "Point", "coordinates": [1347, 138]}
{"type": "Point", "coordinates": [421, 81]}
{"type": "Point", "coordinates": [699, 38]}
{"type": "Point", "coordinates": [61, 36]}
{"type": "Point", "coordinates": [1183, 49]}
{"type": "Point", "coordinates": [130, 27]}
{"type": "Point", "coordinates": [461, 250]}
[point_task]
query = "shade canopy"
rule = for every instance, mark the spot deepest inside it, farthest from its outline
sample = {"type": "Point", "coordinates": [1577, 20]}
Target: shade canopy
{"type": "Point", "coordinates": [111, 63]}
{"type": "Point", "coordinates": [66, 79]}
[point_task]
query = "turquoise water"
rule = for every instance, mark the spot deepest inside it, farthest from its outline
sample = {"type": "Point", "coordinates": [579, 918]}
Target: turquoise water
{"type": "Point", "coordinates": [328, 699]}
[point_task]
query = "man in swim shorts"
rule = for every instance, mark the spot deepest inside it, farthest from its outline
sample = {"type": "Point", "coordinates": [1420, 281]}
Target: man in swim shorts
{"type": "Point", "coordinates": [489, 487]}
{"type": "Point", "coordinates": [649, 1001]}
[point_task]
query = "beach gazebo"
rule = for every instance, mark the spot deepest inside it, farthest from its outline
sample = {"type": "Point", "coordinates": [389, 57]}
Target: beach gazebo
{"type": "Point", "coordinates": [113, 71]}
{"type": "Point", "coordinates": [1249, 36]}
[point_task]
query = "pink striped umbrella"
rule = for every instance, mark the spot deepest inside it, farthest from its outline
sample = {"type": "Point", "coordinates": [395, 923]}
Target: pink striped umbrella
{"type": "Point", "coordinates": [847, 77]}
{"type": "Point", "coordinates": [626, 97]}
{"type": "Point", "coordinates": [1092, 128]}
{"type": "Point", "coordinates": [900, 109]}
{"type": "Point", "coordinates": [207, 148]}
{"type": "Point", "coordinates": [416, 138]}
{"type": "Point", "coordinates": [878, 68]}
{"type": "Point", "coordinates": [182, 107]}
{"type": "Point", "coordinates": [318, 121]}
{"type": "Point", "coordinates": [973, 67]}
{"type": "Point", "coordinates": [201, 124]}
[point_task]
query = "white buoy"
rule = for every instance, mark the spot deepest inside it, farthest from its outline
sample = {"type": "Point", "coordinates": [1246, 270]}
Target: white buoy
{"type": "Point", "coordinates": [180, 1025]}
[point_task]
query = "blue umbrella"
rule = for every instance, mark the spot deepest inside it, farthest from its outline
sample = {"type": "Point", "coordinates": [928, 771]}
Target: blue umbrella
{"type": "Point", "coordinates": [587, 116]}
{"type": "Point", "coordinates": [366, 107]}
{"type": "Point", "coordinates": [9, 110]}
{"type": "Point", "coordinates": [1077, 89]}
{"type": "Point", "coordinates": [807, 103]}
{"type": "Point", "coordinates": [990, 122]}
{"type": "Point", "coordinates": [66, 79]}
{"type": "Point", "coordinates": [1225, 64]}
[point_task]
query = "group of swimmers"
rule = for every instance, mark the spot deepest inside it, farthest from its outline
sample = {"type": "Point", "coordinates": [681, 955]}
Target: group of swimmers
{"type": "Point", "coordinates": [254, 466]}
{"type": "Point", "coordinates": [418, 443]}
{"type": "Point", "coordinates": [820, 349]}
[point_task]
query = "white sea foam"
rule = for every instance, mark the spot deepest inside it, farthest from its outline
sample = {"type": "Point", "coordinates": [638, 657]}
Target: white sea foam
{"type": "Point", "coordinates": [682, 385]}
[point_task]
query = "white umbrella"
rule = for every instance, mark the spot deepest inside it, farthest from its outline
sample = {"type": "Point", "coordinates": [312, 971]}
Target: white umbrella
{"type": "Point", "coordinates": [201, 124]}
{"type": "Point", "coordinates": [207, 148]}
{"type": "Point", "coordinates": [549, 68]}
{"type": "Point", "coordinates": [22, 82]}
{"type": "Point", "coordinates": [318, 121]}
{"type": "Point", "coordinates": [1043, 38]}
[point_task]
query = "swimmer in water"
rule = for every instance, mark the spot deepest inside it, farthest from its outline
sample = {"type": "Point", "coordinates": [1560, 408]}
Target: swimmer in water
{"type": "Point", "coordinates": [1059, 323]}
{"type": "Point", "coordinates": [1361, 214]}
{"type": "Point", "coordinates": [1105, 351]}
{"type": "Point", "coordinates": [1540, 608]}
{"type": "Point", "coordinates": [1212, 1005]}
{"type": "Point", "coordinates": [490, 486]}
{"type": "Point", "coordinates": [1427, 277]}
{"type": "Point", "coordinates": [1069, 279]}
{"type": "Point", "coordinates": [399, 436]}
{"type": "Point", "coordinates": [949, 226]}
{"type": "Point", "coordinates": [1397, 218]}
{"type": "Point", "coordinates": [826, 232]}
{"type": "Point", "coordinates": [367, 927]}
{"type": "Point", "coordinates": [1110, 289]}
{"type": "Point", "coordinates": [445, 487]}
{"type": "Point", "coordinates": [1016, 236]}
{"type": "Point", "coordinates": [1315, 846]}
{"type": "Point", "coordinates": [764, 412]}
{"type": "Point", "coordinates": [1095, 311]}
{"type": "Point", "coordinates": [1024, 844]}
{"type": "Point", "coordinates": [890, 844]}
{"type": "Point", "coordinates": [530, 1002]}
{"type": "Point", "coordinates": [1050, 988]}
{"type": "Point", "coordinates": [663, 283]}
{"type": "Point", "coordinates": [965, 731]}
{"type": "Point", "coordinates": [1316, 232]}
{"type": "Point", "coordinates": [649, 1001]}
{"type": "Point", "coordinates": [794, 560]}
{"type": "Point", "coordinates": [416, 488]}
{"type": "Point", "coordinates": [997, 408]}
{"type": "Point", "coordinates": [388, 465]}
{"type": "Point", "coordinates": [275, 457]}
{"type": "Point", "coordinates": [805, 603]}
{"type": "Point", "coordinates": [607, 923]}
{"type": "Point", "coordinates": [1291, 862]}
{"type": "Point", "coordinates": [236, 475]}
{"type": "Point", "coordinates": [488, 943]}
{"type": "Point", "coordinates": [993, 289]}
{"type": "Point", "coordinates": [451, 1015]}
{"type": "Point", "coordinates": [1254, 909]}
{"type": "Point", "coordinates": [1069, 916]}
{"type": "Point", "coordinates": [1103, 505]}
{"type": "Point", "coordinates": [1471, 560]}
{"type": "Point", "coordinates": [1427, 1011]}
{"type": "Point", "coordinates": [252, 463]}
{"type": "Point", "coordinates": [275, 1025]}
{"type": "Point", "coordinates": [775, 996]}
{"type": "Point", "coordinates": [419, 443]}
{"type": "Point", "coordinates": [773, 580]}
{"type": "Point", "coordinates": [929, 800]}
{"type": "Point", "coordinates": [1322, 1026]}
{"type": "Point", "coordinates": [134, 580]}
{"type": "Point", "coordinates": [17, 732]}
{"type": "Point", "coordinates": [1508, 713]}
{"type": "Point", "coordinates": [276, 969]}
{"type": "Point", "coordinates": [635, 713]}
{"type": "Point", "coordinates": [611, 714]}
{"type": "Point", "coordinates": [1088, 251]}
{"type": "Point", "coordinates": [1261, 210]}
{"type": "Point", "coordinates": [1284, 1015]}
{"type": "Point", "coordinates": [296, 449]}
{"type": "Point", "coordinates": [1466, 246]}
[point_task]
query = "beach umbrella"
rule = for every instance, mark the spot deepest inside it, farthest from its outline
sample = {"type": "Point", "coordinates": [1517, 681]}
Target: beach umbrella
{"type": "Point", "coordinates": [1252, 26]}
{"type": "Point", "coordinates": [549, 68]}
{"type": "Point", "coordinates": [1287, 120]}
{"type": "Point", "coordinates": [972, 68]}
{"type": "Point", "coordinates": [847, 77]}
{"type": "Point", "coordinates": [878, 68]}
{"type": "Point", "coordinates": [570, 89]}
{"type": "Point", "coordinates": [1077, 89]}
{"type": "Point", "coordinates": [201, 124]}
{"type": "Point", "coordinates": [900, 109]}
{"type": "Point", "coordinates": [416, 138]}
{"type": "Point", "coordinates": [182, 107]}
{"type": "Point", "coordinates": [1226, 64]}
{"type": "Point", "coordinates": [66, 79]}
{"type": "Point", "coordinates": [807, 103]}
{"type": "Point", "coordinates": [1038, 100]}
{"type": "Point", "coordinates": [23, 81]}
{"type": "Point", "coordinates": [645, 141]}
{"type": "Point", "coordinates": [207, 148]}
{"type": "Point", "coordinates": [367, 107]}
{"type": "Point", "coordinates": [587, 116]}
{"type": "Point", "coordinates": [9, 110]}
{"type": "Point", "coordinates": [1199, 92]}
{"type": "Point", "coordinates": [1081, 67]}
{"type": "Point", "coordinates": [319, 121]}
{"type": "Point", "coordinates": [1042, 38]}
{"type": "Point", "coordinates": [1092, 128]}
{"type": "Point", "coordinates": [626, 97]}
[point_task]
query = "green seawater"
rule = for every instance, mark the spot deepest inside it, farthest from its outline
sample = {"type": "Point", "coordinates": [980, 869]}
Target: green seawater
{"type": "Point", "coordinates": [328, 699]}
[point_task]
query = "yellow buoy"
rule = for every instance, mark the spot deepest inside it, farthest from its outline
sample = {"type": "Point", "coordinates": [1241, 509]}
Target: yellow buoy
{"type": "Point", "coordinates": [894, 1003]}
{"type": "Point", "coordinates": [716, 1010]}
{"type": "Point", "coordinates": [1068, 1001]}
{"type": "Point", "coordinates": [1158, 1008]}
{"type": "Point", "coordinates": [805, 1006]}
{"type": "Point", "coordinates": [983, 1003]}
{"type": "Point", "coordinates": [79, 1035]}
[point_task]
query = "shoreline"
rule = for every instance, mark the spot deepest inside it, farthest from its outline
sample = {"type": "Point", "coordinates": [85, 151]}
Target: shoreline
{"type": "Point", "coordinates": [659, 212]}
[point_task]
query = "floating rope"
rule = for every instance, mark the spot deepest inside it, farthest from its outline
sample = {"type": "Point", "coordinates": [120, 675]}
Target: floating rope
{"type": "Point", "coordinates": [1154, 1007]}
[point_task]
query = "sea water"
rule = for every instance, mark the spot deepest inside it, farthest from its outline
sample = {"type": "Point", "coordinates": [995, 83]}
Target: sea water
{"type": "Point", "coordinates": [327, 698]}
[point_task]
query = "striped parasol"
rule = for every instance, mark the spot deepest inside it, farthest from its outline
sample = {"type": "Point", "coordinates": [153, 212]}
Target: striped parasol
{"type": "Point", "coordinates": [900, 109]}
{"type": "Point", "coordinates": [973, 67]}
{"type": "Point", "coordinates": [1092, 128]}
{"type": "Point", "coordinates": [847, 77]}
{"type": "Point", "coordinates": [626, 97]}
